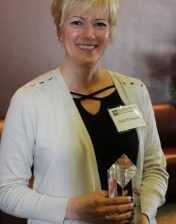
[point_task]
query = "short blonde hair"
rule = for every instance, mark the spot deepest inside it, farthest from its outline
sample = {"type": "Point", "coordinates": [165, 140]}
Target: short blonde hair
{"type": "Point", "coordinates": [61, 9]}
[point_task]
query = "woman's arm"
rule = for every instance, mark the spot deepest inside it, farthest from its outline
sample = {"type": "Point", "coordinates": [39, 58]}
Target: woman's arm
{"type": "Point", "coordinates": [16, 159]}
{"type": "Point", "coordinates": [155, 177]}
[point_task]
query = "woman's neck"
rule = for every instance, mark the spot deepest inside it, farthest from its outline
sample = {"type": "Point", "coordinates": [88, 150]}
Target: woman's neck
{"type": "Point", "coordinates": [81, 79]}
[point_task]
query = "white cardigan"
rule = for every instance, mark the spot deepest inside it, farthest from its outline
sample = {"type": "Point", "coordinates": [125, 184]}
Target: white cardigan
{"type": "Point", "coordinates": [43, 127]}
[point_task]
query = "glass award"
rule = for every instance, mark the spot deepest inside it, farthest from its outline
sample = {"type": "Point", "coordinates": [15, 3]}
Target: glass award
{"type": "Point", "coordinates": [121, 177]}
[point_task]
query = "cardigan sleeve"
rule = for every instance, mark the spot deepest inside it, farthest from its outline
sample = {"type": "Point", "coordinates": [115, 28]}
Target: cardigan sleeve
{"type": "Point", "coordinates": [16, 159]}
{"type": "Point", "coordinates": [153, 163]}
{"type": "Point", "coordinates": [155, 177]}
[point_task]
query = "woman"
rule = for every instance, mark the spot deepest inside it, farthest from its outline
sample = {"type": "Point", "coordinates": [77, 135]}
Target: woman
{"type": "Point", "coordinates": [59, 123]}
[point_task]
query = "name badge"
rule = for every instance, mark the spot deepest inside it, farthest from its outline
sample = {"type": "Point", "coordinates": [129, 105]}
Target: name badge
{"type": "Point", "coordinates": [127, 117]}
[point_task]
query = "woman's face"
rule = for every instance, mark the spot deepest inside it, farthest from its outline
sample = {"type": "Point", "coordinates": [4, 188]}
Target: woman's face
{"type": "Point", "coordinates": [85, 36]}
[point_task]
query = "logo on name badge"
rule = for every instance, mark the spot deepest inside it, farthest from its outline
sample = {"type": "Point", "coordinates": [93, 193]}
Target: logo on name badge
{"type": "Point", "coordinates": [115, 112]}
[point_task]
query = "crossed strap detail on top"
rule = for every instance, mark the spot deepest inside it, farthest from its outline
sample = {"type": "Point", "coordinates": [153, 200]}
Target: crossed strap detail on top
{"type": "Point", "coordinates": [91, 95]}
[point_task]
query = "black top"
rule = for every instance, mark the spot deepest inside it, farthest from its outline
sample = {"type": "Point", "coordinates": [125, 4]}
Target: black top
{"type": "Point", "coordinates": [108, 143]}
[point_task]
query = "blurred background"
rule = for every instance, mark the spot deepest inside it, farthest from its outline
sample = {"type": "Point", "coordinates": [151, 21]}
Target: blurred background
{"type": "Point", "coordinates": [144, 45]}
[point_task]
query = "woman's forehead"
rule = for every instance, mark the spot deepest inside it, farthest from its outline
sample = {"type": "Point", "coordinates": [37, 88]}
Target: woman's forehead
{"type": "Point", "coordinates": [97, 11]}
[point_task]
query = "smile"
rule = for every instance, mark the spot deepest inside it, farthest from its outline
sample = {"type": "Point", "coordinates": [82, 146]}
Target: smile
{"type": "Point", "coordinates": [86, 46]}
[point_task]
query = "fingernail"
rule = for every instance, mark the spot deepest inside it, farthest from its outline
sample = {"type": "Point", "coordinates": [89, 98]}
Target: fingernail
{"type": "Point", "coordinates": [131, 205]}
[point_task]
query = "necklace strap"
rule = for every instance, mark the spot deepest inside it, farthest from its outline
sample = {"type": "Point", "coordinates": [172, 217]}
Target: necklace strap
{"type": "Point", "coordinates": [91, 95]}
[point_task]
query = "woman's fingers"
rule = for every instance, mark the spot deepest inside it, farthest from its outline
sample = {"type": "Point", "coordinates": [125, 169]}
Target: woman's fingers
{"type": "Point", "coordinates": [117, 200]}
{"type": "Point", "coordinates": [97, 207]}
{"type": "Point", "coordinates": [118, 218]}
{"type": "Point", "coordinates": [119, 209]}
{"type": "Point", "coordinates": [113, 219]}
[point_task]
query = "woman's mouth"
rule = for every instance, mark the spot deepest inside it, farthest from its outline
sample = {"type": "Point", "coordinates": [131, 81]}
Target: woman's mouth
{"type": "Point", "coordinates": [87, 46]}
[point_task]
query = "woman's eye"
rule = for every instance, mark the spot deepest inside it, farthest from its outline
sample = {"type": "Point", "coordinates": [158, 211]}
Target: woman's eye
{"type": "Point", "coordinates": [77, 23]}
{"type": "Point", "coordinates": [101, 24]}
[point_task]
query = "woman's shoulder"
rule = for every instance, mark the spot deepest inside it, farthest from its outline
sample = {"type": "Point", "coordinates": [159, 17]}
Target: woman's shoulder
{"type": "Point", "coordinates": [37, 89]}
{"type": "Point", "coordinates": [43, 82]}
{"type": "Point", "coordinates": [125, 79]}
{"type": "Point", "coordinates": [132, 88]}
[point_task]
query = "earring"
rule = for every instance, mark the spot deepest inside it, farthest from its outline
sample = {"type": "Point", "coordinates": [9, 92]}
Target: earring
{"type": "Point", "coordinates": [59, 42]}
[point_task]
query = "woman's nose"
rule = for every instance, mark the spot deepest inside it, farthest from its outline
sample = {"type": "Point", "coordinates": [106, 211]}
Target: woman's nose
{"type": "Point", "coordinates": [89, 31]}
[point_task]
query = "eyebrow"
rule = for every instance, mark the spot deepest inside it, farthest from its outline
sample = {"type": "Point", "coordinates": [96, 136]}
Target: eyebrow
{"type": "Point", "coordinates": [80, 17]}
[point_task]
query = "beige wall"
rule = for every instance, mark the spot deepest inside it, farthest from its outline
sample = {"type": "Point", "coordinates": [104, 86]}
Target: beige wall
{"type": "Point", "coordinates": [145, 45]}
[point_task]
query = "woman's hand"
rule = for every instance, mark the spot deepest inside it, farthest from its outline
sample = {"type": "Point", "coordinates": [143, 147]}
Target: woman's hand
{"type": "Point", "coordinates": [98, 208]}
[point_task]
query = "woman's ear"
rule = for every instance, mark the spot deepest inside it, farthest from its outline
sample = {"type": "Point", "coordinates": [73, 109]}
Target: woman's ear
{"type": "Point", "coordinates": [59, 37]}
{"type": "Point", "coordinates": [59, 34]}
